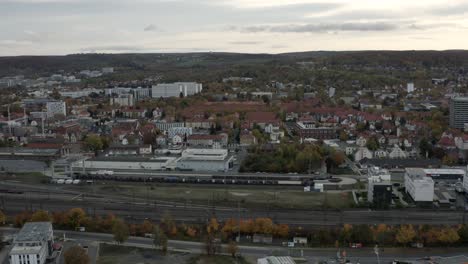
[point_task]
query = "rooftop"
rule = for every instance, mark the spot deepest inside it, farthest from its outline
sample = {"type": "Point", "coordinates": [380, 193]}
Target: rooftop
{"type": "Point", "coordinates": [34, 231]}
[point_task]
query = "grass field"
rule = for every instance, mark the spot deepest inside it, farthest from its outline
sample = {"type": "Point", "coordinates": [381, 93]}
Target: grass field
{"type": "Point", "coordinates": [228, 195]}
{"type": "Point", "coordinates": [26, 177]}
{"type": "Point", "coordinates": [115, 254]}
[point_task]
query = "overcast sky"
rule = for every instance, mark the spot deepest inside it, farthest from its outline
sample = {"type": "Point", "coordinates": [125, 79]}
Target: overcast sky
{"type": "Point", "coordinates": [54, 27]}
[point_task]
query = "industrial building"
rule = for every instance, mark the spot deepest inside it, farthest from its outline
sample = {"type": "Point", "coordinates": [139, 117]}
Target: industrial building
{"type": "Point", "coordinates": [418, 185]}
{"type": "Point", "coordinates": [177, 89]}
{"type": "Point", "coordinates": [379, 188]}
{"type": "Point", "coordinates": [125, 163]}
{"type": "Point", "coordinates": [458, 112]}
{"type": "Point", "coordinates": [33, 244]}
{"type": "Point", "coordinates": [205, 160]}
{"type": "Point", "coordinates": [441, 174]}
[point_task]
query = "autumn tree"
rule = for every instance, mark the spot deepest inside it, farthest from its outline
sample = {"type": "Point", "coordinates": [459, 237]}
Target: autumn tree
{"type": "Point", "coordinates": [282, 230]}
{"type": "Point", "coordinates": [41, 216]}
{"type": "Point", "coordinates": [263, 226]}
{"type": "Point", "coordinates": [211, 239]}
{"type": "Point", "coordinates": [146, 227]}
{"type": "Point", "coordinates": [120, 231]}
{"type": "Point", "coordinates": [75, 217]}
{"type": "Point", "coordinates": [22, 218]}
{"type": "Point", "coordinates": [76, 255]}
{"type": "Point", "coordinates": [448, 235]}
{"type": "Point", "coordinates": [405, 234]}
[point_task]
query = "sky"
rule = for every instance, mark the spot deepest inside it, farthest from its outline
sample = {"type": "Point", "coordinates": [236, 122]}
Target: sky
{"type": "Point", "coordinates": [57, 27]}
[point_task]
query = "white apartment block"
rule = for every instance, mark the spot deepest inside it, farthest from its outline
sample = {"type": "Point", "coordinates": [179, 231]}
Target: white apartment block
{"type": "Point", "coordinates": [123, 100]}
{"type": "Point", "coordinates": [56, 108]}
{"type": "Point", "coordinates": [33, 244]}
{"type": "Point", "coordinates": [419, 186]}
{"type": "Point", "coordinates": [165, 90]}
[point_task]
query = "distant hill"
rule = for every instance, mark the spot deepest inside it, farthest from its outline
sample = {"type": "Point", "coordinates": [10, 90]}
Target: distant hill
{"type": "Point", "coordinates": [44, 65]}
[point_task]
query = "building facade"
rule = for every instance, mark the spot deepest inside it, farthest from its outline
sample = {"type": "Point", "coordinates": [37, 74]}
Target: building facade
{"type": "Point", "coordinates": [419, 186]}
{"type": "Point", "coordinates": [33, 244]}
{"type": "Point", "coordinates": [458, 112]}
{"type": "Point", "coordinates": [56, 108]}
{"type": "Point", "coordinates": [177, 89]}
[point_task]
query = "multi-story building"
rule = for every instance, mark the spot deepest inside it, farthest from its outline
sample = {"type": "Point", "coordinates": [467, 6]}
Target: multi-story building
{"type": "Point", "coordinates": [165, 126]}
{"type": "Point", "coordinates": [459, 112]}
{"type": "Point", "coordinates": [123, 100]}
{"type": "Point", "coordinates": [379, 188]}
{"type": "Point", "coordinates": [312, 130]}
{"type": "Point", "coordinates": [56, 108]}
{"type": "Point", "coordinates": [33, 244]}
{"type": "Point", "coordinates": [418, 185]}
{"type": "Point", "coordinates": [176, 89]}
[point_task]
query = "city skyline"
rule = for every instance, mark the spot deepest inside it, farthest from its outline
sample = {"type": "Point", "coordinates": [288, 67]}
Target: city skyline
{"type": "Point", "coordinates": [57, 27]}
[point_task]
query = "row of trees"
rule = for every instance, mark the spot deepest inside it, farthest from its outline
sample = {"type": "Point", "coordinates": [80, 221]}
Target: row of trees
{"type": "Point", "coordinates": [291, 157]}
{"type": "Point", "coordinates": [214, 231]}
{"type": "Point", "coordinates": [402, 235]}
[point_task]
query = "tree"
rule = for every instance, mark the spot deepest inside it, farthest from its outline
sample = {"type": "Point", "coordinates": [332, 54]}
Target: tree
{"type": "Point", "coordinates": [213, 226]}
{"type": "Point", "coordinates": [41, 216]}
{"type": "Point", "coordinates": [448, 236]}
{"type": "Point", "coordinates": [282, 230]}
{"type": "Point", "coordinates": [372, 144]}
{"type": "Point", "coordinates": [343, 135]}
{"type": "Point", "coordinates": [463, 233]}
{"type": "Point", "coordinates": [75, 217]}
{"type": "Point", "coordinates": [120, 231]}
{"type": "Point", "coordinates": [338, 158]}
{"type": "Point", "coordinates": [160, 239]}
{"type": "Point", "coordinates": [93, 143]}
{"type": "Point", "coordinates": [146, 227]}
{"type": "Point", "coordinates": [405, 234]}
{"type": "Point", "coordinates": [76, 255]}
{"type": "Point", "coordinates": [232, 248]}
{"type": "Point", "coordinates": [2, 218]}
{"type": "Point", "coordinates": [168, 224]}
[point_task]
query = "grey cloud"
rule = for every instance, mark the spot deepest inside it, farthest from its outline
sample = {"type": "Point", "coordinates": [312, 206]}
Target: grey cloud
{"type": "Point", "coordinates": [305, 28]}
{"type": "Point", "coordinates": [416, 26]}
{"type": "Point", "coordinates": [151, 27]}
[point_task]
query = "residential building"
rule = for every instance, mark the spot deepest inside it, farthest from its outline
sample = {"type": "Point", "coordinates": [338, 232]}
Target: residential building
{"type": "Point", "coordinates": [312, 130]}
{"type": "Point", "coordinates": [176, 89]}
{"type": "Point", "coordinates": [458, 112]}
{"type": "Point", "coordinates": [165, 126]}
{"type": "Point", "coordinates": [363, 153]}
{"type": "Point", "coordinates": [397, 153]}
{"type": "Point", "coordinates": [56, 108]}
{"type": "Point", "coordinates": [33, 244]}
{"type": "Point", "coordinates": [418, 185]}
{"type": "Point", "coordinates": [207, 140]}
{"type": "Point", "coordinates": [123, 100]}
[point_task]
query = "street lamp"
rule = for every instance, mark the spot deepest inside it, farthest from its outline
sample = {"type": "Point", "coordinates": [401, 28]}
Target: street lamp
{"type": "Point", "coordinates": [376, 251]}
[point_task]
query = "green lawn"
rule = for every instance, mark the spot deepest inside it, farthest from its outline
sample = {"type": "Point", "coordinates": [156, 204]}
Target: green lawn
{"type": "Point", "coordinates": [248, 196]}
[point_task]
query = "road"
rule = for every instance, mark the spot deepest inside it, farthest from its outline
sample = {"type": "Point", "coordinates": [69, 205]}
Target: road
{"type": "Point", "coordinates": [364, 255]}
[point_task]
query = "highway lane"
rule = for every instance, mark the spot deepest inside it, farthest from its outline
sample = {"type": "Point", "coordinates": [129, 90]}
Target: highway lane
{"type": "Point", "coordinates": [138, 211]}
